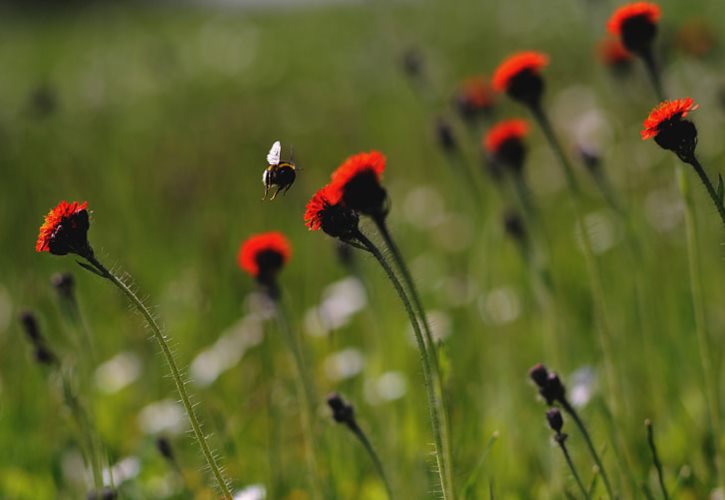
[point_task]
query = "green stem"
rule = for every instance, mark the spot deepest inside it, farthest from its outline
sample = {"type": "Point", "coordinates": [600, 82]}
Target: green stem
{"type": "Point", "coordinates": [306, 393]}
{"type": "Point", "coordinates": [710, 375]}
{"type": "Point", "coordinates": [653, 73]}
{"type": "Point", "coordinates": [600, 307]}
{"type": "Point", "coordinates": [430, 348]}
{"type": "Point", "coordinates": [560, 440]}
{"type": "Point", "coordinates": [433, 406]}
{"type": "Point", "coordinates": [374, 457]}
{"type": "Point", "coordinates": [656, 458]}
{"type": "Point", "coordinates": [592, 450]}
{"type": "Point", "coordinates": [708, 185]}
{"type": "Point", "coordinates": [175, 373]}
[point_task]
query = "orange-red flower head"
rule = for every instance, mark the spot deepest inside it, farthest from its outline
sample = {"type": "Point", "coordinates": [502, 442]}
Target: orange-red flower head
{"type": "Point", "coordinates": [357, 184]}
{"type": "Point", "coordinates": [612, 53]}
{"type": "Point", "coordinates": [519, 76]}
{"type": "Point", "coordinates": [667, 126]}
{"type": "Point", "coordinates": [264, 255]}
{"type": "Point", "coordinates": [474, 98]}
{"type": "Point", "coordinates": [65, 230]}
{"type": "Point", "coordinates": [636, 25]}
{"type": "Point", "coordinates": [325, 211]}
{"type": "Point", "coordinates": [504, 143]}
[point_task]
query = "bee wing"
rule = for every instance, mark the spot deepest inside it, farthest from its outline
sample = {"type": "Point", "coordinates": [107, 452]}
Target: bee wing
{"type": "Point", "coordinates": [274, 152]}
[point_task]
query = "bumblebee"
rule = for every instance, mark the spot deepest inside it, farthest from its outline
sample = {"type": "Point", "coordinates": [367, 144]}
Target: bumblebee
{"type": "Point", "coordinates": [279, 174]}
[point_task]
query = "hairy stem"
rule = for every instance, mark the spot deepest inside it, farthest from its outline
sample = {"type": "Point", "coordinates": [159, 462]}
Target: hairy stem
{"type": "Point", "coordinates": [430, 348]}
{"type": "Point", "coordinates": [710, 375]}
{"type": "Point", "coordinates": [708, 185]}
{"type": "Point", "coordinates": [433, 406]}
{"type": "Point", "coordinates": [175, 373]}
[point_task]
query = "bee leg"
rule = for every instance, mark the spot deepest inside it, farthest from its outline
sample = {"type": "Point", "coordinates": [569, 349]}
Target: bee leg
{"type": "Point", "coordinates": [274, 195]}
{"type": "Point", "coordinates": [286, 189]}
{"type": "Point", "coordinates": [266, 190]}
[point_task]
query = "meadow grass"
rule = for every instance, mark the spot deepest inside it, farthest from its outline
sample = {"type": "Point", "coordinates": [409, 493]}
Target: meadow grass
{"type": "Point", "coordinates": [161, 118]}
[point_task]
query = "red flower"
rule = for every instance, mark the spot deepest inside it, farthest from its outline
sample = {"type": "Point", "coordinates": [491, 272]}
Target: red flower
{"type": "Point", "coordinates": [324, 211]}
{"type": "Point", "coordinates": [646, 11]}
{"type": "Point", "coordinates": [474, 96]}
{"type": "Point", "coordinates": [357, 183]}
{"type": "Point", "coordinates": [65, 230]}
{"type": "Point", "coordinates": [263, 255]}
{"type": "Point", "coordinates": [612, 52]}
{"type": "Point", "coordinates": [666, 113]}
{"type": "Point", "coordinates": [507, 130]}
{"type": "Point", "coordinates": [515, 65]}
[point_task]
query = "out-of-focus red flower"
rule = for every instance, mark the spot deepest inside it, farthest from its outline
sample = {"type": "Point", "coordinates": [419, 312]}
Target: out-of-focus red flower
{"type": "Point", "coordinates": [65, 230]}
{"type": "Point", "coordinates": [612, 53]}
{"type": "Point", "coordinates": [475, 97]}
{"type": "Point", "coordinates": [696, 37]}
{"type": "Point", "coordinates": [665, 114]}
{"type": "Point", "coordinates": [515, 65]}
{"type": "Point", "coordinates": [264, 255]}
{"type": "Point", "coordinates": [650, 12]}
{"type": "Point", "coordinates": [636, 25]}
{"type": "Point", "coordinates": [507, 130]}
{"type": "Point", "coordinates": [357, 184]}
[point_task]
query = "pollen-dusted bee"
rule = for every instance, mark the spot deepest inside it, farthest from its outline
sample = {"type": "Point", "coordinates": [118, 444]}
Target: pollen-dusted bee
{"type": "Point", "coordinates": [279, 174]}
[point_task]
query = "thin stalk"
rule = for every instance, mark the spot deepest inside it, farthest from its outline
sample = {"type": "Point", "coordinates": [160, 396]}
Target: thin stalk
{"type": "Point", "coordinates": [592, 450]}
{"type": "Point", "coordinates": [708, 185]}
{"type": "Point", "coordinates": [710, 375]}
{"type": "Point", "coordinates": [433, 406]}
{"type": "Point", "coordinates": [600, 307]}
{"type": "Point", "coordinates": [430, 348]}
{"type": "Point", "coordinates": [656, 458]}
{"type": "Point", "coordinates": [652, 72]}
{"type": "Point", "coordinates": [374, 457]}
{"type": "Point", "coordinates": [175, 373]}
{"type": "Point", "coordinates": [306, 393]}
{"type": "Point", "coordinates": [85, 429]}
{"type": "Point", "coordinates": [561, 441]}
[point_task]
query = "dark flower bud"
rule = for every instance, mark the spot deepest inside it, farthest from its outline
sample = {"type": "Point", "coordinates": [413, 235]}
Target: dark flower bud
{"type": "Point", "coordinates": [107, 493]}
{"type": "Point", "coordinates": [539, 374]}
{"type": "Point", "coordinates": [514, 225]}
{"type": "Point", "coordinates": [412, 63]}
{"type": "Point", "coordinates": [589, 157]}
{"type": "Point", "coordinates": [554, 390]}
{"type": "Point", "coordinates": [526, 87]}
{"type": "Point", "coordinates": [30, 325]}
{"type": "Point", "coordinates": [64, 284]}
{"type": "Point", "coordinates": [555, 420]}
{"type": "Point", "coordinates": [164, 447]}
{"type": "Point", "coordinates": [43, 355]}
{"type": "Point", "coordinates": [342, 412]}
{"type": "Point", "coordinates": [444, 135]}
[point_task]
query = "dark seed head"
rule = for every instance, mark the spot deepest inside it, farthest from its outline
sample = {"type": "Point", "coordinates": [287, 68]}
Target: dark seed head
{"type": "Point", "coordinates": [30, 326]}
{"type": "Point", "coordinates": [539, 374]}
{"type": "Point", "coordinates": [444, 135]}
{"type": "Point", "coordinates": [514, 225]}
{"type": "Point", "coordinates": [164, 447]}
{"type": "Point", "coordinates": [555, 420]}
{"type": "Point", "coordinates": [342, 412]}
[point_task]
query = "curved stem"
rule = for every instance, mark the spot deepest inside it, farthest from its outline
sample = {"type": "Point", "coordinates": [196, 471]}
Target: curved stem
{"type": "Point", "coordinates": [374, 457]}
{"type": "Point", "coordinates": [430, 345]}
{"type": "Point", "coordinates": [654, 75]}
{"type": "Point", "coordinates": [306, 393]}
{"type": "Point", "coordinates": [592, 450]}
{"type": "Point", "coordinates": [656, 458]}
{"type": "Point", "coordinates": [433, 406]}
{"type": "Point", "coordinates": [710, 375]}
{"type": "Point", "coordinates": [708, 185]}
{"type": "Point", "coordinates": [560, 440]}
{"type": "Point", "coordinates": [175, 373]}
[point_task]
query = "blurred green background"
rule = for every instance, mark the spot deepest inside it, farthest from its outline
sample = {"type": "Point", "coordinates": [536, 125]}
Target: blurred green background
{"type": "Point", "coordinates": [161, 116]}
